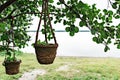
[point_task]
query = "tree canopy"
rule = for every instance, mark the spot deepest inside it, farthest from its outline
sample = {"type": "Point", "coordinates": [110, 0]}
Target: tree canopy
{"type": "Point", "coordinates": [99, 22]}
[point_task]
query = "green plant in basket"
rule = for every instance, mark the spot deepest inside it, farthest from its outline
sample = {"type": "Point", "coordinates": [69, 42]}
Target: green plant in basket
{"type": "Point", "coordinates": [10, 57]}
{"type": "Point", "coordinates": [41, 42]}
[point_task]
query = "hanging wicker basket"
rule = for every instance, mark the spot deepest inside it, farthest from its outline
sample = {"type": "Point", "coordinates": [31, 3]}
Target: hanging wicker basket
{"type": "Point", "coordinates": [12, 67]}
{"type": "Point", "coordinates": [45, 53]}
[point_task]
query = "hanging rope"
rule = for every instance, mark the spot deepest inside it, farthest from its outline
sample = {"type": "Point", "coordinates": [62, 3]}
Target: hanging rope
{"type": "Point", "coordinates": [39, 26]}
{"type": "Point", "coordinates": [45, 20]}
{"type": "Point", "coordinates": [11, 38]}
{"type": "Point", "coordinates": [12, 32]}
{"type": "Point", "coordinates": [51, 25]}
{"type": "Point", "coordinates": [46, 16]}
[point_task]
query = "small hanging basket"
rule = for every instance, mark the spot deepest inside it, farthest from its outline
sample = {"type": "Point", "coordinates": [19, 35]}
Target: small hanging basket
{"type": "Point", "coordinates": [11, 64]}
{"type": "Point", "coordinates": [12, 67]}
{"type": "Point", "coordinates": [45, 53]}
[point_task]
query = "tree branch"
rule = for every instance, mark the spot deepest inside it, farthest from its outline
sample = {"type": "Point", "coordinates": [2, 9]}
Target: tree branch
{"type": "Point", "coordinates": [110, 2]}
{"type": "Point", "coordinates": [75, 11]}
{"type": "Point", "coordinates": [8, 17]}
{"type": "Point", "coordinates": [5, 5]}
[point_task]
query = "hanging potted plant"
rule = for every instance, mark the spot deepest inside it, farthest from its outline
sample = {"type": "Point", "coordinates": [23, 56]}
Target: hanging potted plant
{"type": "Point", "coordinates": [45, 52]}
{"type": "Point", "coordinates": [11, 63]}
{"type": "Point", "coordinates": [11, 38]}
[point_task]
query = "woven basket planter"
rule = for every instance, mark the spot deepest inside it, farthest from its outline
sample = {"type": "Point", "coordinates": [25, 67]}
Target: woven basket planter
{"type": "Point", "coordinates": [46, 53]}
{"type": "Point", "coordinates": [12, 67]}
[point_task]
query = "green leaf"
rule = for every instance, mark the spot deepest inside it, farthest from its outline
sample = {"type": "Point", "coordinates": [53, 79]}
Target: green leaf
{"type": "Point", "coordinates": [43, 31]}
{"type": "Point", "coordinates": [64, 22]}
{"type": "Point", "coordinates": [95, 39]}
{"type": "Point", "coordinates": [109, 41]}
{"type": "Point", "coordinates": [40, 2]}
{"type": "Point", "coordinates": [49, 37]}
{"type": "Point", "coordinates": [67, 29]}
{"type": "Point", "coordinates": [104, 34]}
{"type": "Point", "coordinates": [82, 23]}
{"type": "Point", "coordinates": [105, 11]}
{"type": "Point", "coordinates": [118, 33]}
{"type": "Point", "coordinates": [118, 26]}
{"type": "Point", "coordinates": [114, 5]}
{"type": "Point", "coordinates": [110, 19]}
{"type": "Point", "coordinates": [58, 3]}
{"type": "Point", "coordinates": [118, 46]}
{"type": "Point", "coordinates": [76, 29]}
{"type": "Point", "coordinates": [96, 22]}
{"type": "Point", "coordinates": [55, 22]}
{"type": "Point", "coordinates": [9, 53]}
{"type": "Point", "coordinates": [4, 37]}
{"type": "Point", "coordinates": [2, 27]}
{"type": "Point", "coordinates": [117, 16]}
{"type": "Point", "coordinates": [72, 33]}
{"type": "Point", "coordinates": [103, 18]}
{"type": "Point", "coordinates": [110, 12]}
{"type": "Point", "coordinates": [93, 31]}
{"type": "Point", "coordinates": [51, 1]}
{"type": "Point", "coordinates": [106, 48]}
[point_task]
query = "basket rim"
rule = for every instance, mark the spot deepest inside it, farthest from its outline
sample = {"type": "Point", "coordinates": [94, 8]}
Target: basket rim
{"type": "Point", "coordinates": [48, 45]}
{"type": "Point", "coordinates": [8, 62]}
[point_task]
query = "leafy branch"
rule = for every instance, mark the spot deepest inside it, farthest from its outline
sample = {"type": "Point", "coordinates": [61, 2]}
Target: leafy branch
{"type": "Point", "coordinates": [5, 5]}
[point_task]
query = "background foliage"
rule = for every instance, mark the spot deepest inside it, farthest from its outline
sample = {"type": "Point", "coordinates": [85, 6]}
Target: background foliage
{"type": "Point", "coordinates": [99, 22]}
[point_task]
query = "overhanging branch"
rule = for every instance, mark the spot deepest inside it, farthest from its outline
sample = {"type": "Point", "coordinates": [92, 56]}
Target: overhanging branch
{"type": "Point", "coordinates": [75, 11]}
{"type": "Point", "coordinates": [5, 5]}
{"type": "Point", "coordinates": [9, 16]}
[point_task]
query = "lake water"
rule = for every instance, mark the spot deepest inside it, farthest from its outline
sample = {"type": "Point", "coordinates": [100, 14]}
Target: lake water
{"type": "Point", "coordinates": [79, 45]}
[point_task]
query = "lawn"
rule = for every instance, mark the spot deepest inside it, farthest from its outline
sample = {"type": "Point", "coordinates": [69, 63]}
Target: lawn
{"type": "Point", "coordinates": [68, 68]}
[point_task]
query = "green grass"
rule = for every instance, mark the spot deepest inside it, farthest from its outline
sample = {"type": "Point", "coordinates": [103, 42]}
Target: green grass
{"type": "Point", "coordinates": [78, 68]}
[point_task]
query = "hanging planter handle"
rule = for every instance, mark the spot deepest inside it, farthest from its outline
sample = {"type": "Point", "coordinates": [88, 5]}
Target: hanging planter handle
{"type": "Point", "coordinates": [45, 53]}
{"type": "Point", "coordinates": [45, 12]}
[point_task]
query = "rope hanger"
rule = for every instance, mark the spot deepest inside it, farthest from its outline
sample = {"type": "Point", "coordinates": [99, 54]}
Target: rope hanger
{"type": "Point", "coordinates": [45, 13]}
